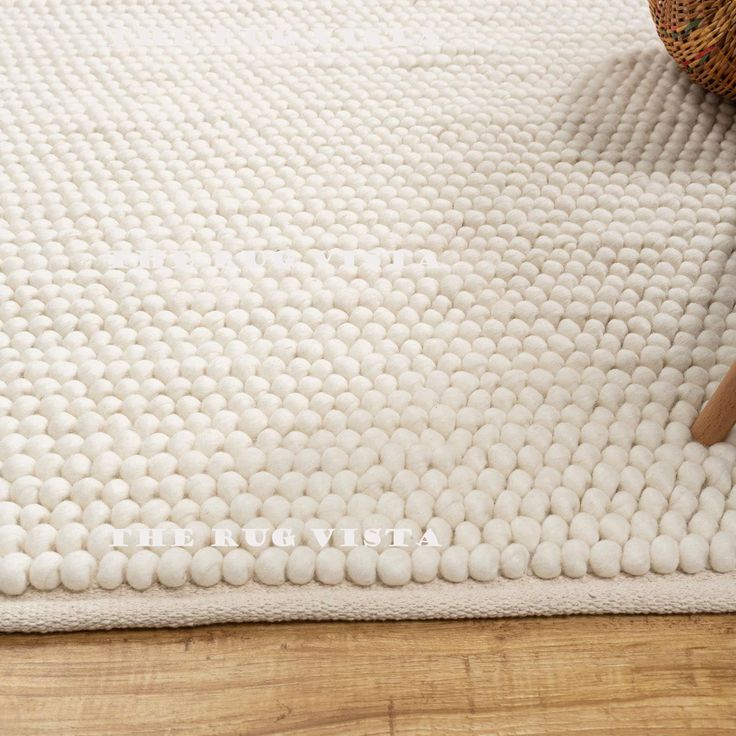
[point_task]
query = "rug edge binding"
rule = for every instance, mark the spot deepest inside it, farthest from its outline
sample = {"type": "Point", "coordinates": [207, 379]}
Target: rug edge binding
{"type": "Point", "coordinates": [36, 612]}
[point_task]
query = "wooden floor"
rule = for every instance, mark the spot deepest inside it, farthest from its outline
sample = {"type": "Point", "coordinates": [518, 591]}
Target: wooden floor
{"type": "Point", "coordinates": [634, 675]}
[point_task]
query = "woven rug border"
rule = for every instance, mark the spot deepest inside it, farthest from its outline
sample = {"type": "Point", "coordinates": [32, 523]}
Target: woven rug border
{"type": "Point", "coordinates": [60, 610]}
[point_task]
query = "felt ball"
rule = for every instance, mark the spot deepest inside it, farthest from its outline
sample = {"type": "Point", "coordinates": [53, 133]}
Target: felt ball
{"type": "Point", "coordinates": [330, 566]}
{"type": "Point", "coordinates": [206, 566]}
{"type": "Point", "coordinates": [605, 558]}
{"type": "Point", "coordinates": [361, 565]}
{"type": "Point", "coordinates": [39, 539]}
{"type": "Point", "coordinates": [498, 533]}
{"type": "Point", "coordinates": [425, 564]}
{"type": "Point", "coordinates": [454, 564]}
{"type": "Point", "coordinates": [614, 527]}
{"type": "Point", "coordinates": [483, 562]}
{"type": "Point", "coordinates": [173, 567]}
{"type": "Point", "coordinates": [535, 505]}
{"type": "Point", "coordinates": [12, 538]}
{"type": "Point", "coordinates": [141, 569]}
{"type": "Point", "coordinates": [507, 506]}
{"type": "Point", "coordinates": [514, 561]}
{"type": "Point", "coordinates": [644, 526]}
{"type": "Point", "coordinates": [300, 568]}
{"type": "Point", "coordinates": [703, 524]}
{"type": "Point", "coordinates": [44, 572]}
{"type": "Point", "coordinates": [554, 529]}
{"type": "Point", "coordinates": [100, 541]}
{"type": "Point", "coordinates": [672, 524]}
{"type": "Point", "coordinates": [77, 570]}
{"type": "Point", "coordinates": [546, 561]}
{"type": "Point", "coordinates": [574, 558]}
{"type": "Point", "coordinates": [441, 533]}
{"type": "Point", "coordinates": [32, 515]}
{"type": "Point", "coordinates": [585, 527]}
{"type": "Point", "coordinates": [665, 554]}
{"type": "Point", "coordinates": [526, 531]}
{"type": "Point", "coordinates": [394, 567]}
{"type": "Point", "coordinates": [723, 552]}
{"type": "Point", "coordinates": [419, 507]}
{"type": "Point", "coordinates": [478, 507]}
{"type": "Point", "coordinates": [71, 537]}
{"type": "Point", "coordinates": [270, 566]}
{"type": "Point", "coordinates": [111, 572]}
{"type": "Point", "coordinates": [565, 503]}
{"type": "Point", "coordinates": [635, 559]}
{"type": "Point", "coordinates": [14, 573]}
{"type": "Point", "coordinates": [467, 535]}
{"type": "Point", "coordinates": [238, 566]}
{"type": "Point", "coordinates": [694, 551]}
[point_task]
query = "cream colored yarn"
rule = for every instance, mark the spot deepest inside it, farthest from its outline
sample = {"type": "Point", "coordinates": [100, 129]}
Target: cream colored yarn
{"type": "Point", "coordinates": [520, 382]}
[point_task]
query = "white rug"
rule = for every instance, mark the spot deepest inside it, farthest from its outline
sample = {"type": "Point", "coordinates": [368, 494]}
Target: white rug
{"type": "Point", "coordinates": [279, 278]}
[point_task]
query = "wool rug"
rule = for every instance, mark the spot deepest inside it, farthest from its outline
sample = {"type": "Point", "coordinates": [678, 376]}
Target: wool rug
{"type": "Point", "coordinates": [359, 309]}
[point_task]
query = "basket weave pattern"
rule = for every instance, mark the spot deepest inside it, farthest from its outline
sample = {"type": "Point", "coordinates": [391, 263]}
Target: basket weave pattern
{"type": "Point", "coordinates": [701, 36]}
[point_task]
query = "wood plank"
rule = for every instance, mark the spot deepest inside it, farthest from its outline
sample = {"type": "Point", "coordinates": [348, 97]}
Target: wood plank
{"type": "Point", "coordinates": [664, 675]}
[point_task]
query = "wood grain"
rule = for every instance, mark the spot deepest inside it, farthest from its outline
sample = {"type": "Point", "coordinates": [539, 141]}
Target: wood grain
{"type": "Point", "coordinates": [718, 416]}
{"type": "Point", "coordinates": [600, 675]}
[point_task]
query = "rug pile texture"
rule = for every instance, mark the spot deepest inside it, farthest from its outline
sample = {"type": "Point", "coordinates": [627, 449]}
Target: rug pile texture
{"type": "Point", "coordinates": [359, 310]}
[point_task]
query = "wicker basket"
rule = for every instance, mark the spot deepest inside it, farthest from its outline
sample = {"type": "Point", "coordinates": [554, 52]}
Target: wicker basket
{"type": "Point", "coordinates": [701, 36]}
